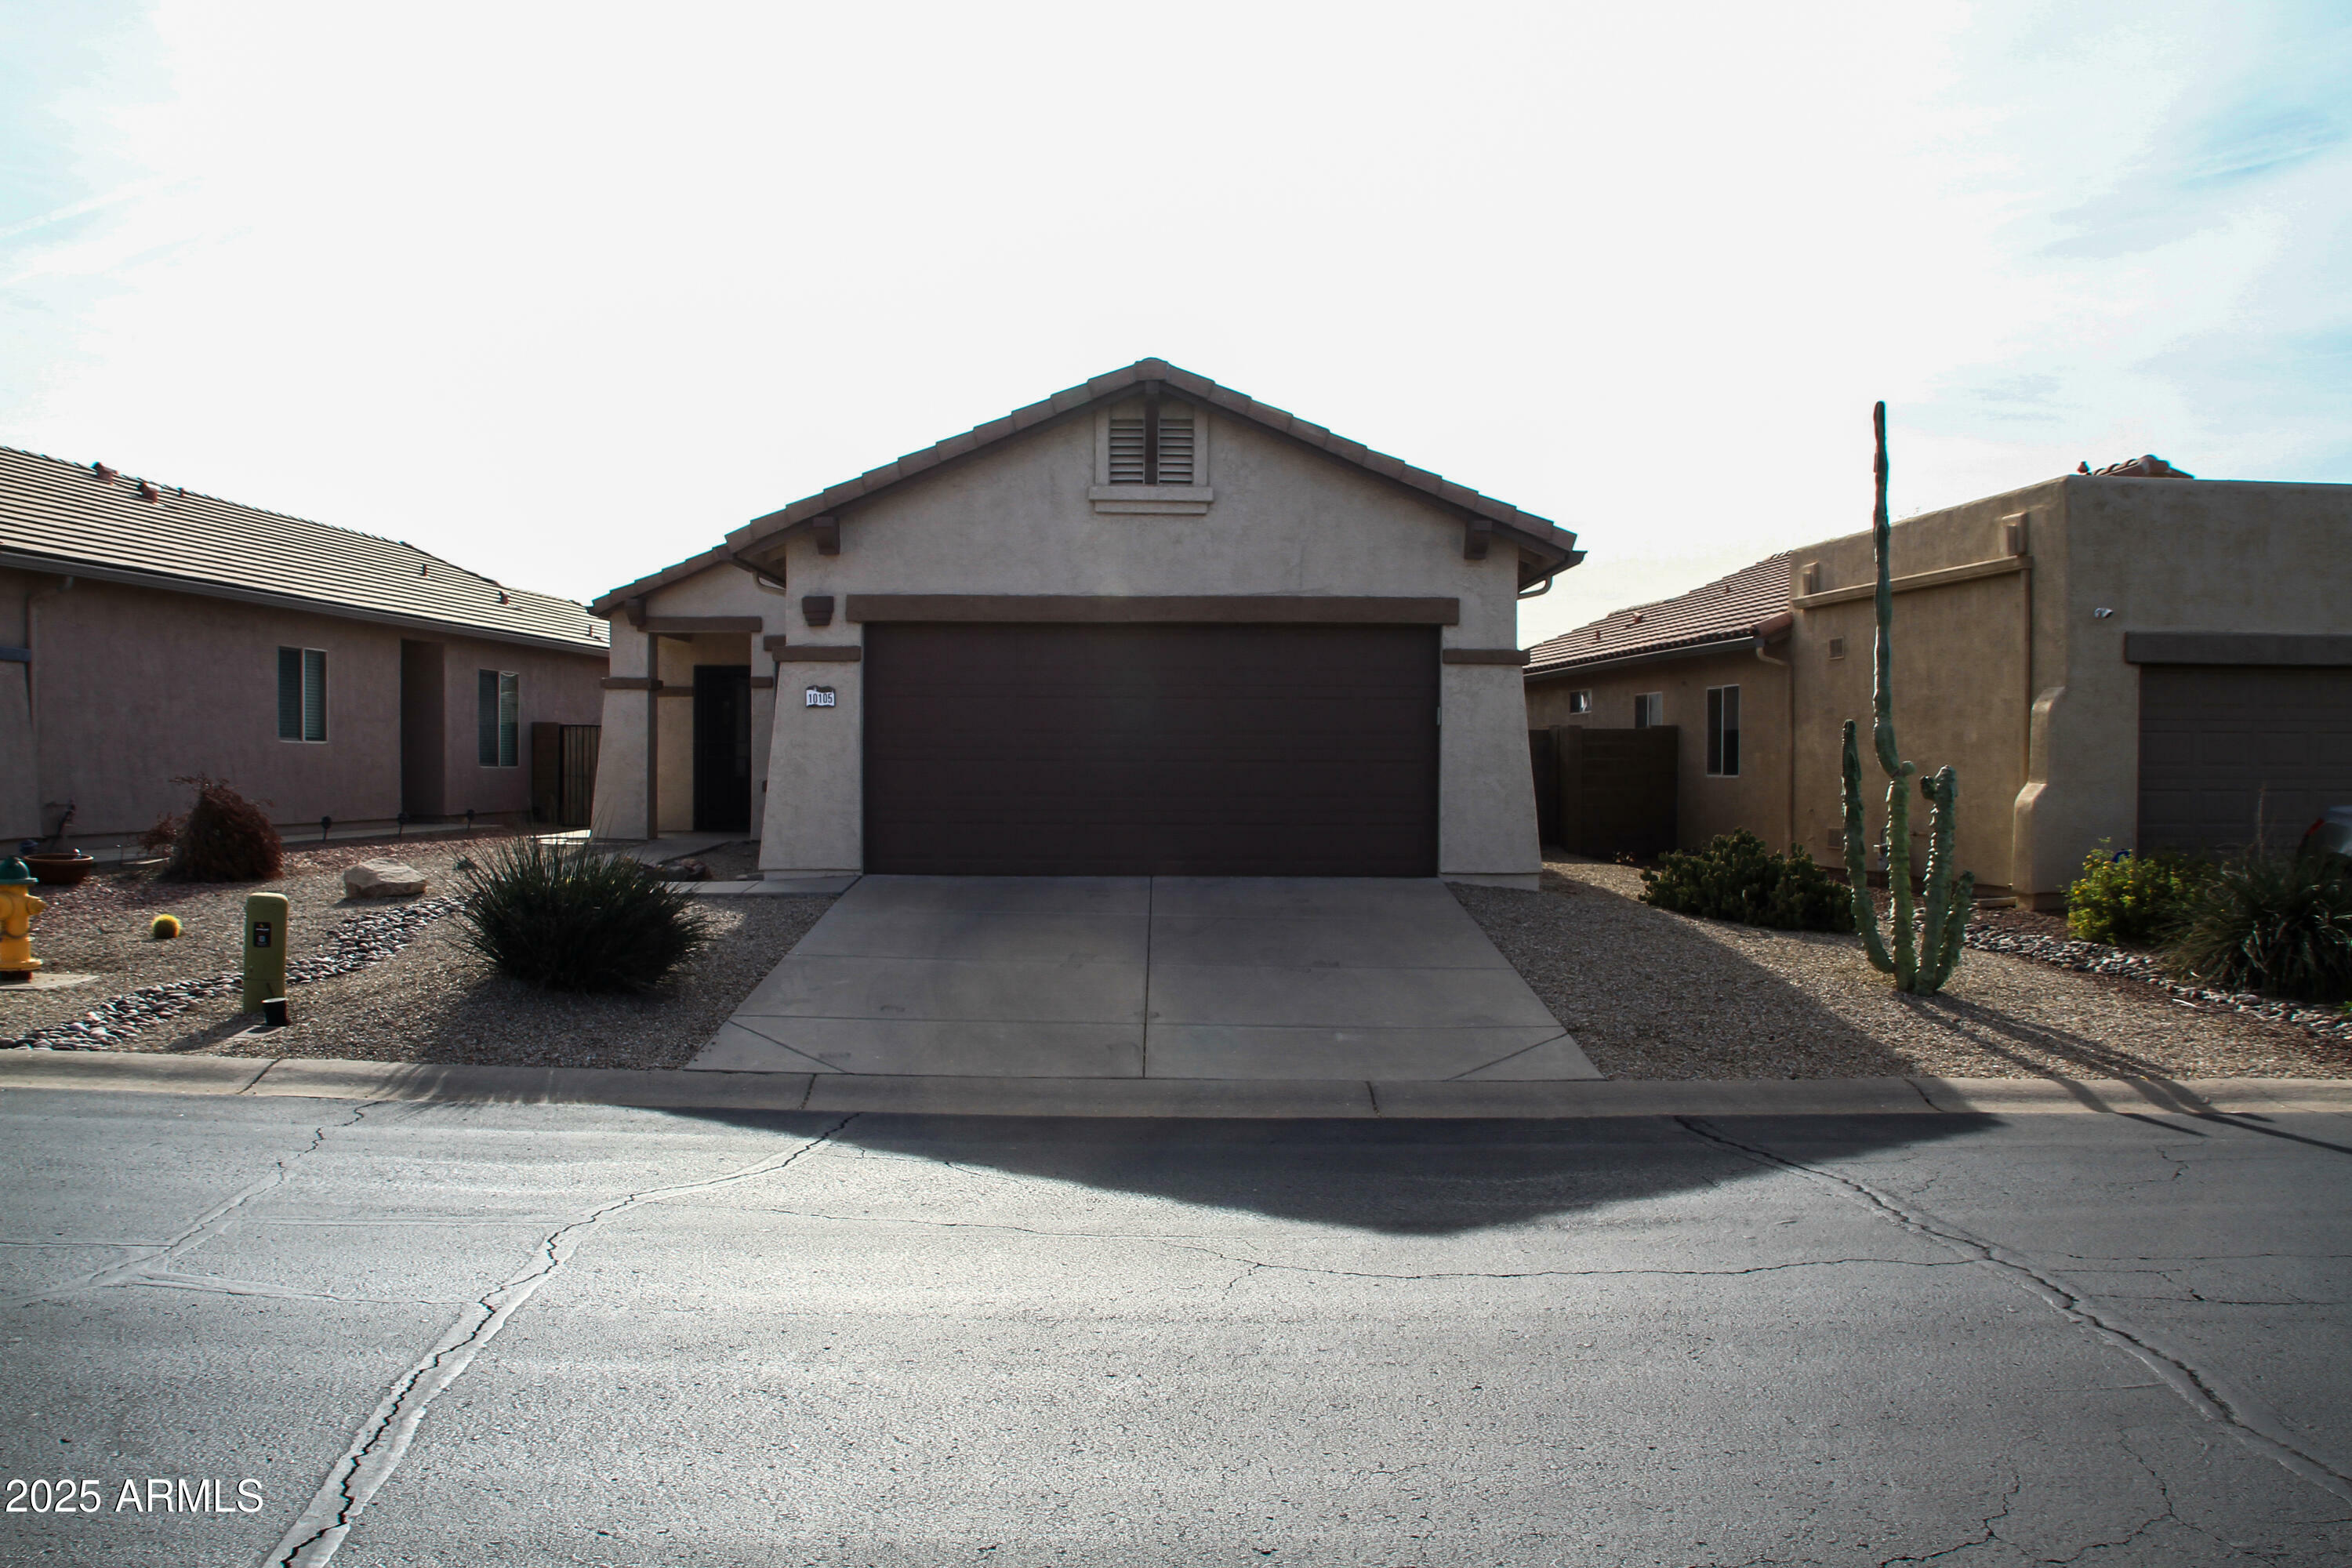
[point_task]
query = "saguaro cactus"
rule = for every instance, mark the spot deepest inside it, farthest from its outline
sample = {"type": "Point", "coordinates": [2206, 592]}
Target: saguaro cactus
{"type": "Point", "coordinates": [1924, 952]}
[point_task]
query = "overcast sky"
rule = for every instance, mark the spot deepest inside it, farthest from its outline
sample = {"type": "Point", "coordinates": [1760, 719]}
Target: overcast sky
{"type": "Point", "coordinates": [565, 293]}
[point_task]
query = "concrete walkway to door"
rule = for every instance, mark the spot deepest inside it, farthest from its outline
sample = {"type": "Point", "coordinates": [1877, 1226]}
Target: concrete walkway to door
{"type": "Point", "coordinates": [1173, 977]}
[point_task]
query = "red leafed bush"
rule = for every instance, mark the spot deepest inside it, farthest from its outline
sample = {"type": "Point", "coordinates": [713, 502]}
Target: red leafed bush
{"type": "Point", "coordinates": [225, 838]}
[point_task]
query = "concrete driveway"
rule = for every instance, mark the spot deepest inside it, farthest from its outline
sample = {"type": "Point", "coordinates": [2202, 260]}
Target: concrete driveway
{"type": "Point", "coordinates": [1179, 977]}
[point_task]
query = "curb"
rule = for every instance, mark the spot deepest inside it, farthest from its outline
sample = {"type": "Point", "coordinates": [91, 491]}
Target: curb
{"type": "Point", "coordinates": [835, 1093]}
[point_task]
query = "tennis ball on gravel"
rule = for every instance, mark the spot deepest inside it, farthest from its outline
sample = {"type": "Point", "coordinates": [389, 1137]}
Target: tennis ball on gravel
{"type": "Point", "coordinates": [164, 928]}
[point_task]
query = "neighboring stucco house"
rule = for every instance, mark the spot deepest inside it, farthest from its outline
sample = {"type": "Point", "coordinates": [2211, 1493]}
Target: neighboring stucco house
{"type": "Point", "coordinates": [1146, 626]}
{"type": "Point", "coordinates": [2148, 662]}
{"type": "Point", "coordinates": [147, 632]}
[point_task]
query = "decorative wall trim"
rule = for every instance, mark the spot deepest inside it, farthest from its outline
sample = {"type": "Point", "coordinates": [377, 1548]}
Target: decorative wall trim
{"type": "Point", "coordinates": [630, 683]}
{"type": "Point", "coordinates": [1266, 609]}
{"type": "Point", "coordinates": [690, 626]}
{"type": "Point", "coordinates": [816, 609]}
{"type": "Point", "coordinates": [1916, 581]}
{"type": "Point", "coordinates": [1161, 501]}
{"type": "Point", "coordinates": [2238, 647]}
{"type": "Point", "coordinates": [1513, 655]}
{"type": "Point", "coordinates": [783, 652]}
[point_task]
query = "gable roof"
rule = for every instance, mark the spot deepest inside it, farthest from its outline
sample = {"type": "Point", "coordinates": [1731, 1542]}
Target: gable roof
{"type": "Point", "coordinates": [95, 523]}
{"type": "Point", "coordinates": [1739, 608]}
{"type": "Point", "coordinates": [1547, 547]}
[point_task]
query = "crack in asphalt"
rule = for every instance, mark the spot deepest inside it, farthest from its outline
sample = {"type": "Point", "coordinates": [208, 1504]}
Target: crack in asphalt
{"type": "Point", "coordinates": [2204, 1393]}
{"type": "Point", "coordinates": [199, 1230]}
{"type": "Point", "coordinates": [1252, 1265]}
{"type": "Point", "coordinates": [1990, 1525]}
{"type": "Point", "coordinates": [384, 1439]}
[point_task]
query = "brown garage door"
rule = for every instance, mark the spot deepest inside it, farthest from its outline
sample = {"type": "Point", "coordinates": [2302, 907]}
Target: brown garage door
{"type": "Point", "coordinates": [2229, 752]}
{"type": "Point", "coordinates": [1162, 750]}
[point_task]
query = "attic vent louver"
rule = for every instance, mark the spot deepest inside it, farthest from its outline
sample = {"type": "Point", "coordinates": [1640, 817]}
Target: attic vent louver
{"type": "Point", "coordinates": [1130, 459]}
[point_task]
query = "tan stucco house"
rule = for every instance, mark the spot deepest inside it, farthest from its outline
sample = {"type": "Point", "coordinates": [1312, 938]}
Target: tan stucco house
{"type": "Point", "coordinates": [2148, 662]}
{"type": "Point", "coordinates": [148, 632]}
{"type": "Point", "coordinates": [1146, 626]}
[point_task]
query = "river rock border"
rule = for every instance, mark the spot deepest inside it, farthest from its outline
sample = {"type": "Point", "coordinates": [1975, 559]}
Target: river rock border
{"type": "Point", "coordinates": [357, 942]}
{"type": "Point", "coordinates": [2098, 958]}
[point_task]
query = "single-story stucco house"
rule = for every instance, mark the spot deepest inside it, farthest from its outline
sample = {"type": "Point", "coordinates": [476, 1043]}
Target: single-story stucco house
{"type": "Point", "coordinates": [1147, 625]}
{"type": "Point", "coordinates": [2142, 662]}
{"type": "Point", "coordinates": [148, 632]}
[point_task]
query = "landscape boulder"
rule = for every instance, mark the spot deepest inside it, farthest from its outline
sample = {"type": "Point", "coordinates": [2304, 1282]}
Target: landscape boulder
{"type": "Point", "coordinates": [382, 879]}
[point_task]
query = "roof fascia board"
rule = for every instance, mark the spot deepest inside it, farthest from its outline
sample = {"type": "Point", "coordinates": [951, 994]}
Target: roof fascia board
{"type": "Point", "coordinates": [1546, 541]}
{"type": "Point", "coordinates": [608, 603]}
{"type": "Point", "coordinates": [66, 565]}
{"type": "Point", "coordinates": [1740, 644]}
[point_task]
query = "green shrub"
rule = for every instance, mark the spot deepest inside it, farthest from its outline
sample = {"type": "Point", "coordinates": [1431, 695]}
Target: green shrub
{"type": "Point", "coordinates": [572, 920]}
{"type": "Point", "coordinates": [225, 838]}
{"type": "Point", "coordinates": [1735, 877]}
{"type": "Point", "coordinates": [2274, 923]}
{"type": "Point", "coordinates": [2133, 901]}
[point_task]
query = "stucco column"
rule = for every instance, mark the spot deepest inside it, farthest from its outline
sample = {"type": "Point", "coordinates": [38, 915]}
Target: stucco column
{"type": "Point", "coordinates": [815, 823]}
{"type": "Point", "coordinates": [620, 809]}
{"type": "Point", "coordinates": [1486, 785]}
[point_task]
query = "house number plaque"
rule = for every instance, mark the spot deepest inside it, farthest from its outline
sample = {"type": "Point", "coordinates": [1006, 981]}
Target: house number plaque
{"type": "Point", "coordinates": [821, 697]}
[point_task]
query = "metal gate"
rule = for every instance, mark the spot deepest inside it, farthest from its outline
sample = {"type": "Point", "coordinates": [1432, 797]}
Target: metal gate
{"type": "Point", "coordinates": [563, 773]}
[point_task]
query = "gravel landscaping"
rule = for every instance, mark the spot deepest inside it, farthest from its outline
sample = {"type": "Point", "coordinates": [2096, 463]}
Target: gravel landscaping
{"type": "Point", "coordinates": [1650, 995]}
{"type": "Point", "coordinates": [385, 980]}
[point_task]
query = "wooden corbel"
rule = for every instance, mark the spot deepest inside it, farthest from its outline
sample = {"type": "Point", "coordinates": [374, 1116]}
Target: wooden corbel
{"type": "Point", "coordinates": [826, 530]}
{"type": "Point", "coordinates": [635, 610]}
{"type": "Point", "coordinates": [1475, 535]}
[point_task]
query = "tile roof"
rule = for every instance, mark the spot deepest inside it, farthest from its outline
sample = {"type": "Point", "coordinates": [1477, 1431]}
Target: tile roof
{"type": "Point", "coordinates": [1553, 547]}
{"type": "Point", "coordinates": [1729, 607]}
{"type": "Point", "coordinates": [60, 516]}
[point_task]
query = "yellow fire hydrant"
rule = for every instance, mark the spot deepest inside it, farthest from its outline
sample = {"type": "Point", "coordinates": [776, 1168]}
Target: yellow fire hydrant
{"type": "Point", "coordinates": [17, 908]}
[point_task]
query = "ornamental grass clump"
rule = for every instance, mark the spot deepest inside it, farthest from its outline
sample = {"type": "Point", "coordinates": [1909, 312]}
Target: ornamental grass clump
{"type": "Point", "coordinates": [1735, 877]}
{"type": "Point", "coordinates": [2280, 924]}
{"type": "Point", "coordinates": [225, 838]}
{"type": "Point", "coordinates": [2135, 900]}
{"type": "Point", "coordinates": [570, 919]}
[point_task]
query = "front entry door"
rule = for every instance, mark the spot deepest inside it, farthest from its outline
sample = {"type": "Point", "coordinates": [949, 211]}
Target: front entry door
{"type": "Point", "coordinates": [722, 748]}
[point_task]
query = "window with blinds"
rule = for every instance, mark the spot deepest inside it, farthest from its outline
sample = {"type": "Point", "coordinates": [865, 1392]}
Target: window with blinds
{"type": "Point", "coordinates": [301, 694]}
{"type": "Point", "coordinates": [498, 714]}
{"type": "Point", "coordinates": [1136, 458]}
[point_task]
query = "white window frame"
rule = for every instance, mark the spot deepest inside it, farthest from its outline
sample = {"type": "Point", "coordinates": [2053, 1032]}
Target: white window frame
{"type": "Point", "coordinates": [310, 696]}
{"type": "Point", "coordinates": [1723, 732]}
{"type": "Point", "coordinates": [499, 724]}
{"type": "Point", "coordinates": [1151, 500]}
{"type": "Point", "coordinates": [1649, 709]}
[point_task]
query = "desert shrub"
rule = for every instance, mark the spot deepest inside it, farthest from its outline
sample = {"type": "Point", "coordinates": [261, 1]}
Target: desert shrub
{"type": "Point", "coordinates": [225, 838]}
{"type": "Point", "coordinates": [2274, 923]}
{"type": "Point", "coordinates": [2133, 901]}
{"type": "Point", "coordinates": [158, 839]}
{"type": "Point", "coordinates": [572, 919]}
{"type": "Point", "coordinates": [1735, 877]}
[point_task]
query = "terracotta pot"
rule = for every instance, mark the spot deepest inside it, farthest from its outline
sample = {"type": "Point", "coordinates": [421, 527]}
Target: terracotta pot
{"type": "Point", "coordinates": [57, 869]}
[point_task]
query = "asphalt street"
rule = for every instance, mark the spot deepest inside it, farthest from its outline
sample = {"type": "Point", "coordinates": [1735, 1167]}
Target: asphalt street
{"type": "Point", "coordinates": [438, 1334]}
